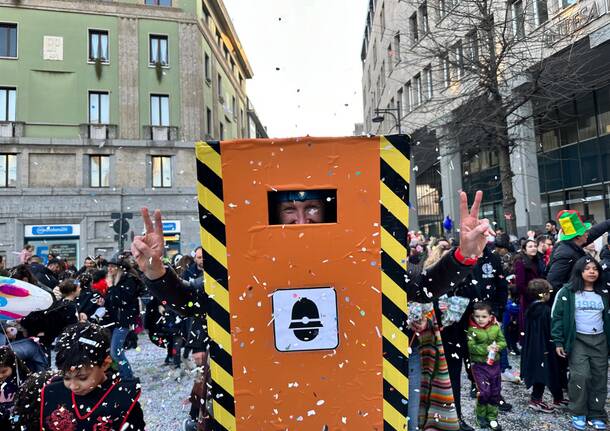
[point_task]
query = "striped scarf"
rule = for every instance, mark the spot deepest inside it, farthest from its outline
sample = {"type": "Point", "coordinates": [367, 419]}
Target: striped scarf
{"type": "Point", "coordinates": [436, 409]}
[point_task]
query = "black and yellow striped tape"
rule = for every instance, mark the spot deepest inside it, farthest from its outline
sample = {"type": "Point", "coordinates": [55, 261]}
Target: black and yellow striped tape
{"type": "Point", "coordinates": [213, 241]}
{"type": "Point", "coordinates": [394, 188]}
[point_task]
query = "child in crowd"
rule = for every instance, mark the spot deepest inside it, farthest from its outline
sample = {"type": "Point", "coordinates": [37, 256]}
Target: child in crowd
{"type": "Point", "coordinates": [485, 341]}
{"type": "Point", "coordinates": [12, 373]}
{"type": "Point", "coordinates": [89, 398]}
{"type": "Point", "coordinates": [539, 364]}
{"type": "Point", "coordinates": [581, 332]}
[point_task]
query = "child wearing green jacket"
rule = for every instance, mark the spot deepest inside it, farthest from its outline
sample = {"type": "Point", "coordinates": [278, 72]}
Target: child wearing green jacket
{"type": "Point", "coordinates": [580, 329]}
{"type": "Point", "coordinates": [485, 340]}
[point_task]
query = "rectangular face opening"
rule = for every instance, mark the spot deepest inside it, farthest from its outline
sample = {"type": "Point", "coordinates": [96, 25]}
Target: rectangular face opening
{"type": "Point", "coordinates": [302, 206]}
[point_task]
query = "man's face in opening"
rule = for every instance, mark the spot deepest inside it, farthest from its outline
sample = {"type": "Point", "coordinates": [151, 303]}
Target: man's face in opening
{"type": "Point", "coordinates": [199, 258]}
{"type": "Point", "coordinates": [301, 212]}
{"type": "Point", "coordinates": [84, 379]}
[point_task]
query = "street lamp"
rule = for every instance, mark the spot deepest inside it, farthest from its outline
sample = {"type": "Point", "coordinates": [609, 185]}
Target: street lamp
{"type": "Point", "coordinates": [379, 117]}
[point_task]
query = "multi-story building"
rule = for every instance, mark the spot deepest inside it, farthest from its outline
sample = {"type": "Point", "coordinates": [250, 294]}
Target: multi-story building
{"type": "Point", "coordinates": [561, 157]}
{"type": "Point", "coordinates": [100, 106]}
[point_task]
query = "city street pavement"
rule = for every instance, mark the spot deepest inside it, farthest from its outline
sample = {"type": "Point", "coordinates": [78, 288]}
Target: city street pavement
{"type": "Point", "coordinates": [163, 398]}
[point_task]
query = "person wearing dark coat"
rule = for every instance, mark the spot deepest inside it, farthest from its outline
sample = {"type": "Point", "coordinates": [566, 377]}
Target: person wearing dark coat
{"type": "Point", "coordinates": [122, 308]}
{"type": "Point", "coordinates": [604, 256]}
{"type": "Point", "coordinates": [528, 264]}
{"type": "Point", "coordinates": [539, 362]}
{"type": "Point", "coordinates": [45, 274]}
{"type": "Point", "coordinates": [571, 247]}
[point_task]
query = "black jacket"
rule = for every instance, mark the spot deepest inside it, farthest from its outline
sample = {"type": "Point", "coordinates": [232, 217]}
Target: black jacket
{"type": "Point", "coordinates": [566, 253]}
{"type": "Point", "coordinates": [44, 275]}
{"type": "Point", "coordinates": [189, 300]}
{"type": "Point", "coordinates": [539, 363]}
{"type": "Point", "coordinates": [121, 301]}
{"type": "Point", "coordinates": [487, 283]}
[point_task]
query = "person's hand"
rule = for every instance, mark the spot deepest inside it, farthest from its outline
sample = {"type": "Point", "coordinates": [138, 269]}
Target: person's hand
{"type": "Point", "coordinates": [57, 293]}
{"type": "Point", "coordinates": [147, 250]}
{"type": "Point", "coordinates": [493, 348]}
{"type": "Point", "coordinates": [560, 352]}
{"type": "Point", "coordinates": [473, 231]}
{"type": "Point", "coordinates": [82, 317]}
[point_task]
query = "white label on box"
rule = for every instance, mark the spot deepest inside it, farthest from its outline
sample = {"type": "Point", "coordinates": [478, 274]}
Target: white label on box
{"type": "Point", "coordinates": [305, 319]}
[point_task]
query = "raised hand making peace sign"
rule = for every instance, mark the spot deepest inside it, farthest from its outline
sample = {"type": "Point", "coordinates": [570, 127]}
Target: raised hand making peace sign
{"type": "Point", "coordinates": [148, 249]}
{"type": "Point", "coordinates": [473, 231]}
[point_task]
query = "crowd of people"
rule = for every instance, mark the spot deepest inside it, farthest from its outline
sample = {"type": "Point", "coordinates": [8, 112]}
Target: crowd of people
{"type": "Point", "coordinates": [97, 313]}
{"type": "Point", "coordinates": [474, 301]}
{"type": "Point", "coordinates": [542, 299]}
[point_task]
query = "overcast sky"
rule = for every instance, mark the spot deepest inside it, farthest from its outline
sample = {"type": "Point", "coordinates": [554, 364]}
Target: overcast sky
{"type": "Point", "coordinates": [306, 60]}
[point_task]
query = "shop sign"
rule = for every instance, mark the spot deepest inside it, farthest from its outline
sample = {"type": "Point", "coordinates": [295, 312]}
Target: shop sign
{"type": "Point", "coordinates": [52, 230]}
{"type": "Point", "coordinates": [171, 226]}
{"type": "Point", "coordinates": [573, 20]}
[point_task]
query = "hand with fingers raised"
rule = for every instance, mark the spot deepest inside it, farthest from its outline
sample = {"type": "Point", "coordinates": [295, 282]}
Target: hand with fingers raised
{"type": "Point", "coordinates": [148, 249]}
{"type": "Point", "coordinates": [473, 231]}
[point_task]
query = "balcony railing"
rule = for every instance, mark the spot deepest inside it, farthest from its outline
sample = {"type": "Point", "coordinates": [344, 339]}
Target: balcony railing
{"type": "Point", "coordinates": [160, 133]}
{"type": "Point", "coordinates": [98, 131]}
{"type": "Point", "coordinates": [12, 129]}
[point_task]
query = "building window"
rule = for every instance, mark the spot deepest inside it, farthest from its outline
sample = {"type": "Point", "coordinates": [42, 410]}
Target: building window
{"type": "Point", "coordinates": [233, 107]}
{"type": "Point", "coordinates": [409, 95]}
{"type": "Point", "coordinates": [417, 90]}
{"type": "Point", "coordinates": [8, 40]}
{"type": "Point", "coordinates": [218, 38]}
{"type": "Point", "coordinates": [382, 74]}
{"type": "Point", "coordinates": [472, 49]}
{"type": "Point", "coordinates": [446, 69]}
{"type": "Point", "coordinates": [399, 97]}
{"type": "Point", "coordinates": [158, 2]}
{"type": "Point", "coordinates": [241, 81]}
{"type": "Point", "coordinates": [518, 19]}
{"type": "Point", "coordinates": [99, 107]}
{"type": "Point", "coordinates": [220, 88]}
{"type": "Point", "coordinates": [159, 110]}
{"type": "Point", "coordinates": [442, 9]}
{"type": "Point", "coordinates": [208, 121]}
{"type": "Point", "coordinates": [585, 108]}
{"type": "Point", "coordinates": [457, 52]}
{"type": "Point", "coordinates": [413, 28]}
{"type": "Point", "coordinates": [161, 171]}
{"type": "Point", "coordinates": [423, 18]}
{"type": "Point", "coordinates": [206, 11]}
{"type": "Point", "coordinates": [8, 170]}
{"type": "Point", "coordinates": [99, 171]}
{"type": "Point", "coordinates": [429, 87]}
{"type": "Point", "coordinates": [8, 102]}
{"type": "Point", "coordinates": [98, 45]}
{"type": "Point", "coordinates": [397, 48]}
{"type": "Point", "coordinates": [158, 50]}
{"type": "Point", "coordinates": [541, 12]}
{"type": "Point", "coordinates": [390, 59]}
{"type": "Point", "coordinates": [222, 131]}
{"type": "Point", "coordinates": [208, 71]}
{"type": "Point", "coordinates": [382, 18]}
{"type": "Point", "coordinates": [567, 3]}
{"type": "Point", "coordinates": [603, 109]}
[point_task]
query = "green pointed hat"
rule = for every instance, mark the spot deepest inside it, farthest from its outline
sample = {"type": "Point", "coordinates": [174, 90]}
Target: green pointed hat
{"type": "Point", "coordinates": [571, 224]}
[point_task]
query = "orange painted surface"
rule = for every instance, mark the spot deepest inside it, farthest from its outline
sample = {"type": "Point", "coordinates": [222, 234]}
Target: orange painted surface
{"type": "Point", "coordinates": [342, 389]}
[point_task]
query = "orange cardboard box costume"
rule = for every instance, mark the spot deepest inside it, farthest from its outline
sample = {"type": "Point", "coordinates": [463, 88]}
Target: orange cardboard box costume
{"type": "Point", "coordinates": [307, 321]}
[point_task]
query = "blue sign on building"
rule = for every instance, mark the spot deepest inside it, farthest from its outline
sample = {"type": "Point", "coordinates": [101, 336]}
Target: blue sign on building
{"type": "Point", "coordinates": [52, 230]}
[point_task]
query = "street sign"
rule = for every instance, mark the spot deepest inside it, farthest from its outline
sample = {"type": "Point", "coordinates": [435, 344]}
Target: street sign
{"type": "Point", "coordinates": [121, 226]}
